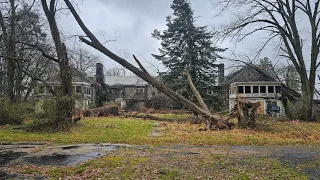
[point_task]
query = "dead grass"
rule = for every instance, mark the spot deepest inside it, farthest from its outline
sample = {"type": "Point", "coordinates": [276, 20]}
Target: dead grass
{"type": "Point", "coordinates": [266, 133]}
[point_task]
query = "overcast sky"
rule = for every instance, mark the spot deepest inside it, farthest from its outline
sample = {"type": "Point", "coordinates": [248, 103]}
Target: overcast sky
{"type": "Point", "coordinates": [133, 21]}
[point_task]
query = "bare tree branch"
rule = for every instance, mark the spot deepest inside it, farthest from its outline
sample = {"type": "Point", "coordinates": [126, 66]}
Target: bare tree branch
{"type": "Point", "coordinates": [41, 50]}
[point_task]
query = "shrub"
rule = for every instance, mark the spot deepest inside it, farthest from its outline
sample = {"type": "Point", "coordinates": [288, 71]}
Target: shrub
{"type": "Point", "coordinates": [57, 116]}
{"type": "Point", "coordinates": [293, 109]}
{"type": "Point", "coordinates": [14, 113]}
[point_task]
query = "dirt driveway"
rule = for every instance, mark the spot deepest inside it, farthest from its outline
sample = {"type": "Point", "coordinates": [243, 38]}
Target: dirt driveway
{"type": "Point", "coordinates": [92, 161]}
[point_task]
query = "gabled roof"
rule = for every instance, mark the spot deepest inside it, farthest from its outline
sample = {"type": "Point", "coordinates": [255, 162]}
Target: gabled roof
{"type": "Point", "coordinates": [249, 73]}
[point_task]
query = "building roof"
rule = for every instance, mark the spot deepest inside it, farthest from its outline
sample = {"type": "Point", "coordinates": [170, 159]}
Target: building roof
{"type": "Point", "coordinates": [124, 80]}
{"type": "Point", "coordinates": [249, 73]}
{"type": "Point", "coordinates": [77, 76]}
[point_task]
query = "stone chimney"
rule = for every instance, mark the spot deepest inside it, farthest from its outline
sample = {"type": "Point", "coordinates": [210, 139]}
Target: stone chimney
{"type": "Point", "coordinates": [99, 73]}
{"type": "Point", "coordinates": [220, 73]}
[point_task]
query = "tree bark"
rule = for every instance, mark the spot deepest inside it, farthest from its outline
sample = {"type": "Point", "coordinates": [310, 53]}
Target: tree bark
{"type": "Point", "coordinates": [11, 52]}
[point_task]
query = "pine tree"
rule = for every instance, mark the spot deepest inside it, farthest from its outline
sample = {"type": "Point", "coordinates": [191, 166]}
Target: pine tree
{"type": "Point", "coordinates": [187, 47]}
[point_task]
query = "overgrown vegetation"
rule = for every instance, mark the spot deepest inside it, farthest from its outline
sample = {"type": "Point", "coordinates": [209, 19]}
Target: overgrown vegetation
{"type": "Point", "coordinates": [293, 109]}
{"type": "Point", "coordinates": [14, 113]}
{"type": "Point", "coordinates": [51, 119]}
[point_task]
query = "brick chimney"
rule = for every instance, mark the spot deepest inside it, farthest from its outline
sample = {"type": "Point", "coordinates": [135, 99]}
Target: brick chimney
{"type": "Point", "coordinates": [99, 73]}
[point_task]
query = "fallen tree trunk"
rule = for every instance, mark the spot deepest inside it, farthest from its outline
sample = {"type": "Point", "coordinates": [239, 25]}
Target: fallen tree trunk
{"type": "Point", "coordinates": [95, 43]}
{"type": "Point", "coordinates": [199, 99]}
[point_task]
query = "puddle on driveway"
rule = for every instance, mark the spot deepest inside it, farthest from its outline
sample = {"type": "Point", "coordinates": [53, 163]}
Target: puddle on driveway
{"type": "Point", "coordinates": [61, 159]}
{"type": "Point", "coordinates": [56, 155]}
{"type": "Point", "coordinates": [7, 156]}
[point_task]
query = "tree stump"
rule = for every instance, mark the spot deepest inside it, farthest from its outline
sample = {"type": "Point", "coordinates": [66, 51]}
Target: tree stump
{"type": "Point", "coordinates": [246, 113]}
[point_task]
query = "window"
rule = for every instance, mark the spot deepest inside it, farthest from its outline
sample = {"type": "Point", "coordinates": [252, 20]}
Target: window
{"type": "Point", "coordinates": [240, 89]}
{"type": "Point", "coordinates": [247, 89]}
{"type": "Point", "coordinates": [262, 89]}
{"type": "Point", "coordinates": [278, 89]}
{"type": "Point", "coordinates": [78, 89]}
{"type": "Point", "coordinates": [139, 90]}
{"type": "Point", "coordinates": [270, 89]}
{"type": "Point", "coordinates": [89, 92]}
{"type": "Point", "coordinates": [255, 89]}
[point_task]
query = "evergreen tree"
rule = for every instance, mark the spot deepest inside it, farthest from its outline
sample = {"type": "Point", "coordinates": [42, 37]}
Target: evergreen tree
{"type": "Point", "coordinates": [187, 47]}
{"type": "Point", "coordinates": [266, 65]}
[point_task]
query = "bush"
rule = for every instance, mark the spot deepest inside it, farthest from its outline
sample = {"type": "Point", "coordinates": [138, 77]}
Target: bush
{"type": "Point", "coordinates": [293, 109]}
{"type": "Point", "coordinates": [14, 113]}
{"type": "Point", "coordinates": [57, 116]}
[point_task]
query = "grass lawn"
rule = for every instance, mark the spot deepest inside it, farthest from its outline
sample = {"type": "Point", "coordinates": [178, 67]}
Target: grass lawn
{"type": "Point", "coordinates": [136, 131]}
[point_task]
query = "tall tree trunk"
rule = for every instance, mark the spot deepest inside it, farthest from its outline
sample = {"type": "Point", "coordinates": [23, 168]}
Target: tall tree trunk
{"type": "Point", "coordinates": [64, 103]}
{"type": "Point", "coordinates": [307, 100]}
{"type": "Point", "coordinates": [11, 52]}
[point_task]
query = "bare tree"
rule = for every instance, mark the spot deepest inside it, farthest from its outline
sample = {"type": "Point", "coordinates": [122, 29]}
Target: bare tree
{"type": "Point", "coordinates": [82, 59]}
{"type": "Point", "coordinates": [20, 22]}
{"type": "Point", "coordinates": [280, 18]}
{"type": "Point", "coordinates": [142, 73]}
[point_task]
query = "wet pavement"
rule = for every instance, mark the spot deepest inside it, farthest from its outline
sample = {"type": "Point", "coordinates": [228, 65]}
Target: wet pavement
{"type": "Point", "coordinates": [42, 155]}
{"type": "Point", "coordinates": [12, 154]}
